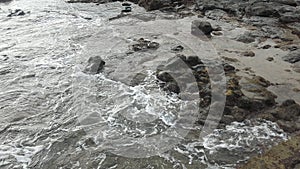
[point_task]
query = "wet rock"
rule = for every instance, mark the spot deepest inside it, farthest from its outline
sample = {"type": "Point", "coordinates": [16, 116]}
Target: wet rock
{"type": "Point", "coordinates": [288, 111]}
{"type": "Point", "coordinates": [5, 1]}
{"type": "Point", "coordinates": [286, 2]}
{"type": "Point", "coordinates": [288, 103]}
{"type": "Point", "coordinates": [166, 6]}
{"type": "Point", "coordinates": [228, 68]}
{"type": "Point", "coordinates": [165, 77]}
{"type": "Point", "coordinates": [201, 27]}
{"type": "Point", "coordinates": [289, 18]}
{"type": "Point", "coordinates": [182, 57]}
{"type": "Point", "coordinates": [169, 84]}
{"type": "Point", "coordinates": [263, 9]}
{"type": "Point", "coordinates": [150, 5]}
{"type": "Point", "coordinates": [239, 114]}
{"type": "Point", "coordinates": [217, 33]}
{"type": "Point", "coordinates": [266, 46]}
{"type": "Point", "coordinates": [270, 59]}
{"type": "Point", "coordinates": [284, 155]}
{"type": "Point", "coordinates": [90, 142]}
{"type": "Point", "coordinates": [94, 65]}
{"type": "Point", "coordinates": [247, 37]}
{"type": "Point", "coordinates": [192, 60]}
{"type": "Point", "coordinates": [126, 4]}
{"type": "Point", "coordinates": [17, 12]}
{"type": "Point", "coordinates": [292, 57]}
{"type": "Point", "coordinates": [138, 79]}
{"type": "Point", "coordinates": [231, 7]}
{"type": "Point", "coordinates": [230, 59]}
{"type": "Point", "coordinates": [173, 87]}
{"type": "Point", "coordinates": [248, 54]}
{"type": "Point", "coordinates": [261, 81]}
{"type": "Point", "coordinates": [287, 116]}
{"type": "Point", "coordinates": [296, 67]}
{"type": "Point", "coordinates": [127, 9]}
{"type": "Point", "coordinates": [178, 48]}
{"type": "Point", "coordinates": [144, 44]}
{"type": "Point", "coordinates": [256, 89]}
{"type": "Point", "coordinates": [216, 14]}
{"type": "Point", "coordinates": [118, 16]}
{"type": "Point", "coordinates": [248, 104]}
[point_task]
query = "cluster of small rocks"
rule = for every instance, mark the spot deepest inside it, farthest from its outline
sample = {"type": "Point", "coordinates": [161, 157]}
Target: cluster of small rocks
{"type": "Point", "coordinates": [17, 12]}
{"type": "Point", "coordinates": [144, 44]}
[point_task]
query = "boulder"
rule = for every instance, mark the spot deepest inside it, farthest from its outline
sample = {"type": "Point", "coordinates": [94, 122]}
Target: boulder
{"type": "Point", "coordinates": [164, 76]}
{"type": "Point", "coordinates": [94, 66]}
{"type": "Point", "coordinates": [201, 27]}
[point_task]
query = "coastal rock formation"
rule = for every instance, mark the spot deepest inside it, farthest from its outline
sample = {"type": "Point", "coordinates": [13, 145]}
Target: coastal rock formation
{"type": "Point", "coordinates": [292, 57]}
{"type": "Point", "coordinates": [94, 65]}
{"type": "Point", "coordinates": [283, 156]}
{"type": "Point", "coordinates": [201, 27]}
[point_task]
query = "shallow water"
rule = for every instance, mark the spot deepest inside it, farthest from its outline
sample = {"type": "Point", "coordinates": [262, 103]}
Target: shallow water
{"type": "Point", "coordinates": [55, 116]}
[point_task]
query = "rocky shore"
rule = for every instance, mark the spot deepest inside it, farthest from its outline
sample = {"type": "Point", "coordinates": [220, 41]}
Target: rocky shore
{"type": "Point", "coordinates": [258, 45]}
{"type": "Point", "coordinates": [270, 26]}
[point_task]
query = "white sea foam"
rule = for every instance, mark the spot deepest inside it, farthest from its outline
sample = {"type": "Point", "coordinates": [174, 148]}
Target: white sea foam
{"type": "Point", "coordinates": [21, 154]}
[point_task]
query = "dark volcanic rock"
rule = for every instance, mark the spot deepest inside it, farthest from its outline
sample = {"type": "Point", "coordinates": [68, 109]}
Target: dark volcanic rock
{"type": "Point", "coordinates": [192, 60]}
{"type": "Point", "coordinates": [262, 9]}
{"type": "Point", "coordinates": [216, 14]}
{"type": "Point", "coordinates": [5, 1]}
{"type": "Point", "coordinates": [282, 156]}
{"type": "Point", "coordinates": [166, 5]}
{"type": "Point", "coordinates": [287, 116]}
{"type": "Point", "coordinates": [292, 57]}
{"type": "Point", "coordinates": [178, 48]}
{"type": "Point", "coordinates": [288, 111]}
{"type": "Point", "coordinates": [138, 79]}
{"type": "Point", "coordinates": [289, 18]}
{"type": "Point", "coordinates": [286, 2]}
{"type": "Point", "coordinates": [17, 12]}
{"type": "Point", "coordinates": [173, 87]}
{"type": "Point", "coordinates": [151, 4]}
{"type": "Point", "coordinates": [127, 9]}
{"type": "Point", "coordinates": [247, 37]}
{"type": "Point", "coordinates": [144, 44]}
{"type": "Point", "coordinates": [95, 65]}
{"type": "Point", "coordinates": [233, 7]}
{"type": "Point", "coordinates": [248, 54]}
{"type": "Point", "coordinates": [228, 68]}
{"type": "Point", "coordinates": [201, 27]}
{"type": "Point", "coordinates": [165, 77]}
